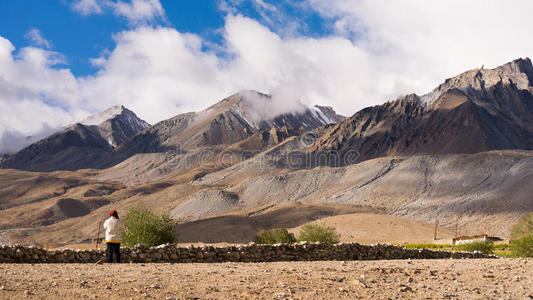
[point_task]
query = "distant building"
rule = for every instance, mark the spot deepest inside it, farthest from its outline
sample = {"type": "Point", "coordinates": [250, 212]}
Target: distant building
{"type": "Point", "coordinates": [474, 238]}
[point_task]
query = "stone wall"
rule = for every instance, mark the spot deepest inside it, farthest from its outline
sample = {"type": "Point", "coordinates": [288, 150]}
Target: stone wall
{"type": "Point", "coordinates": [241, 253]}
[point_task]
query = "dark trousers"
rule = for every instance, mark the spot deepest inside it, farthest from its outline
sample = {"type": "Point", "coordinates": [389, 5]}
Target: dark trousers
{"type": "Point", "coordinates": [113, 248]}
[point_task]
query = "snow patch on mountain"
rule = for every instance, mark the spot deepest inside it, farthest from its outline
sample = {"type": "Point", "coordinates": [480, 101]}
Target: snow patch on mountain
{"type": "Point", "coordinates": [324, 114]}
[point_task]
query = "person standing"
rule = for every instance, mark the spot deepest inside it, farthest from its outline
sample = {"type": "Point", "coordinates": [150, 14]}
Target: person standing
{"type": "Point", "coordinates": [112, 227]}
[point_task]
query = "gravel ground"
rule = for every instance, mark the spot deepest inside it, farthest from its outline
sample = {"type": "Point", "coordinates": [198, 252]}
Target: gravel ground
{"type": "Point", "coordinates": [473, 279]}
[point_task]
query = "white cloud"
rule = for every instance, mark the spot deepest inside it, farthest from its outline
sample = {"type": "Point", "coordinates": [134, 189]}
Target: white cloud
{"type": "Point", "coordinates": [87, 7]}
{"type": "Point", "coordinates": [157, 72]}
{"type": "Point", "coordinates": [160, 72]}
{"type": "Point", "coordinates": [262, 108]}
{"type": "Point", "coordinates": [274, 16]}
{"type": "Point", "coordinates": [137, 12]}
{"type": "Point", "coordinates": [36, 37]}
{"type": "Point", "coordinates": [382, 49]}
{"type": "Point", "coordinates": [34, 94]}
{"type": "Point", "coordinates": [422, 42]}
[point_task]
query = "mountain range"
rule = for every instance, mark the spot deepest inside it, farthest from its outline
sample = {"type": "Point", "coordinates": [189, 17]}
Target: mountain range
{"type": "Point", "coordinates": [116, 134]}
{"type": "Point", "coordinates": [461, 153]}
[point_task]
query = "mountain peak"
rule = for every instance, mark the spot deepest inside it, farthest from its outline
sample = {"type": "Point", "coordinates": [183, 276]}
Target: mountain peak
{"type": "Point", "coordinates": [518, 72]}
{"type": "Point", "coordinates": [519, 66]}
{"type": "Point", "coordinates": [520, 62]}
{"type": "Point", "coordinates": [116, 124]}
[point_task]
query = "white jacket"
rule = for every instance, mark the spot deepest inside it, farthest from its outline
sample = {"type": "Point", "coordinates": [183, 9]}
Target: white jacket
{"type": "Point", "coordinates": [112, 230]}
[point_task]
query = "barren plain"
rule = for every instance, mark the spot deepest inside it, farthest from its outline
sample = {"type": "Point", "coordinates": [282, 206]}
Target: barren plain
{"type": "Point", "coordinates": [394, 279]}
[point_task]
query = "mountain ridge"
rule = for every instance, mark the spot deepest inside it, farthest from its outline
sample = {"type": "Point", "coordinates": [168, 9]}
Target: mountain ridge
{"type": "Point", "coordinates": [478, 110]}
{"type": "Point", "coordinates": [223, 123]}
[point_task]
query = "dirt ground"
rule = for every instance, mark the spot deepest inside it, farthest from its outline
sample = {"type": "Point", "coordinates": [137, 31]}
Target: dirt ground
{"type": "Point", "coordinates": [354, 224]}
{"type": "Point", "coordinates": [473, 279]}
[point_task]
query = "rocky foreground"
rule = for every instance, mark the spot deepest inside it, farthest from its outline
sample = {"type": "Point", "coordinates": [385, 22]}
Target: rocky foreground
{"type": "Point", "coordinates": [449, 278]}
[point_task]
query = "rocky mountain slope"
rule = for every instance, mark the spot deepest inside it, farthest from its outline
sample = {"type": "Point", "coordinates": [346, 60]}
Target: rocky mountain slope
{"type": "Point", "coordinates": [476, 111]}
{"type": "Point", "coordinates": [479, 192]}
{"type": "Point", "coordinates": [73, 148]}
{"type": "Point", "coordinates": [80, 145]}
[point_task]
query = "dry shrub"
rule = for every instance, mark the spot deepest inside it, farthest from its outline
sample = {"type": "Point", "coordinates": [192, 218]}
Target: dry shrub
{"type": "Point", "coordinates": [319, 233]}
{"type": "Point", "coordinates": [144, 226]}
{"type": "Point", "coordinates": [275, 236]}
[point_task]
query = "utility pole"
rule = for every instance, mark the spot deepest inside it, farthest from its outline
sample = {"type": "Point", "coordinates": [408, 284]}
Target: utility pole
{"type": "Point", "coordinates": [436, 226]}
{"type": "Point", "coordinates": [484, 224]}
{"type": "Point", "coordinates": [98, 235]}
{"type": "Point", "coordinates": [456, 226]}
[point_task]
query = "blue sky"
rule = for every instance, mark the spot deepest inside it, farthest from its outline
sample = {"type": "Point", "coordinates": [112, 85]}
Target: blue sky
{"type": "Point", "coordinates": [80, 37]}
{"type": "Point", "coordinates": [74, 35]}
{"type": "Point", "coordinates": [62, 60]}
{"type": "Point", "coordinates": [83, 37]}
